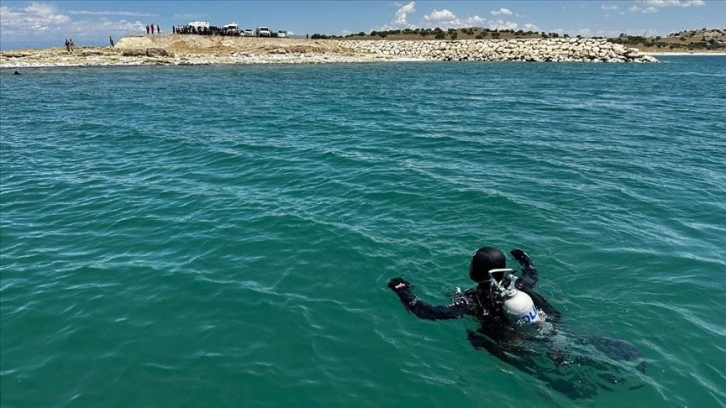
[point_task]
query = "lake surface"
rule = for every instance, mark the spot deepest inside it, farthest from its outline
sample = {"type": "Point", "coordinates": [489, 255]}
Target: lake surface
{"type": "Point", "coordinates": [223, 235]}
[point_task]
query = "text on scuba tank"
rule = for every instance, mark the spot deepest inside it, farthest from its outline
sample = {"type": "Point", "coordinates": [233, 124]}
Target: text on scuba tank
{"type": "Point", "coordinates": [529, 317]}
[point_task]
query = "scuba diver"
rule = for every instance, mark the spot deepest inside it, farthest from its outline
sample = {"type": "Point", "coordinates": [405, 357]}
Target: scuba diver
{"type": "Point", "coordinates": [498, 298]}
{"type": "Point", "coordinates": [518, 326]}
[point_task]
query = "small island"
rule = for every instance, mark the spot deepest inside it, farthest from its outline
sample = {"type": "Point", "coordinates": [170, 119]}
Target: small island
{"type": "Point", "coordinates": [457, 45]}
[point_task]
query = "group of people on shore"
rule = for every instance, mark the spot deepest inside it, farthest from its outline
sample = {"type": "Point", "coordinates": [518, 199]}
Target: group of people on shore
{"type": "Point", "coordinates": [189, 29]}
{"type": "Point", "coordinates": [70, 45]}
{"type": "Point", "coordinates": [151, 28]}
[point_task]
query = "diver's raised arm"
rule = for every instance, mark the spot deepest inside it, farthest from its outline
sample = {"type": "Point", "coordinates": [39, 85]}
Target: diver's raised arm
{"type": "Point", "coordinates": [529, 279]}
{"type": "Point", "coordinates": [529, 272]}
{"type": "Point", "coordinates": [423, 310]}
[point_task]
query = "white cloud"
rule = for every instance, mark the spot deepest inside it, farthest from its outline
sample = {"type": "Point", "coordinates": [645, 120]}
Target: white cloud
{"type": "Point", "coordinates": [110, 13]}
{"type": "Point", "coordinates": [41, 20]}
{"type": "Point", "coordinates": [530, 27]}
{"type": "Point", "coordinates": [673, 3]}
{"type": "Point", "coordinates": [651, 6]}
{"type": "Point", "coordinates": [402, 14]}
{"type": "Point", "coordinates": [445, 19]}
{"type": "Point", "coordinates": [609, 7]}
{"type": "Point", "coordinates": [474, 21]}
{"type": "Point", "coordinates": [45, 14]}
{"type": "Point", "coordinates": [35, 18]}
{"type": "Point", "coordinates": [502, 25]}
{"type": "Point", "coordinates": [443, 16]}
{"type": "Point", "coordinates": [119, 26]}
{"type": "Point", "coordinates": [400, 20]}
{"type": "Point", "coordinates": [501, 11]}
{"type": "Point", "coordinates": [646, 10]}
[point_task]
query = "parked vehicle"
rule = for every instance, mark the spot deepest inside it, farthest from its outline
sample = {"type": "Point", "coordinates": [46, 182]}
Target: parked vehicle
{"type": "Point", "coordinates": [230, 29]}
{"type": "Point", "coordinates": [199, 25]}
{"type": "Point", "coordinates": [282, 34]}
{"type": "Point", "coordinates": [248, 32]}
{"type": "Point", "coordinates": [263, 31]}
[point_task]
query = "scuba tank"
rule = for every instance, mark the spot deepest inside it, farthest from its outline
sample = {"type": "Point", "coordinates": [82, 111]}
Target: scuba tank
{"type": "Point", "coordinates": [518, 306]}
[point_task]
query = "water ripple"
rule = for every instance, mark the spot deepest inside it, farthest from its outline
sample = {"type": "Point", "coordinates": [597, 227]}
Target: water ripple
{"type": "Point", "coordinates": [221, 236]}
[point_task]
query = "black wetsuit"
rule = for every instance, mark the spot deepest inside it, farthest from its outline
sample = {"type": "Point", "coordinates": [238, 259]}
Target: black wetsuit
{"type": "Point", "coordinates": [522, 349]}
{"type": "Point", "coordinates": [476, 302]}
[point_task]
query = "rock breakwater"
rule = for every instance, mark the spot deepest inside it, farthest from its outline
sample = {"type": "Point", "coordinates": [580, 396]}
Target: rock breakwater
{"type": "Point", "coordinates": [536, 50]}
{"type": "Point", "coordinates": [204, 50]}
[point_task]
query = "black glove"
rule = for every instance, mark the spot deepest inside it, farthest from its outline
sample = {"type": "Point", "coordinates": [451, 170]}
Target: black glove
{"type": "Point", "coordinates": [522, 258]}
{"type": "Point", "coordinates": [398, 284]}
{"type": "Point", "coordinates": [518, 254]}
{"type": "Point", "coordinates": [529, 272]}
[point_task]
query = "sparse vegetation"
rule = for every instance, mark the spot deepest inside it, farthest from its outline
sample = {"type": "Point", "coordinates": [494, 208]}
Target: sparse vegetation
{"type": "Point", "coordinates": [695, 40]}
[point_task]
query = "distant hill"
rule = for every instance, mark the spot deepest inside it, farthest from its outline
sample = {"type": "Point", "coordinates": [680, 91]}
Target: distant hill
{"type": "Point", "coordinates": [694, 40]}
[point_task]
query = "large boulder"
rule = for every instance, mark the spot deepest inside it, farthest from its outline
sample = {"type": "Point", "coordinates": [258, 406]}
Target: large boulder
{"type": "Point", "coordinates": [134, 53]}
{"type": "Point", "coordinates": [158, 52]}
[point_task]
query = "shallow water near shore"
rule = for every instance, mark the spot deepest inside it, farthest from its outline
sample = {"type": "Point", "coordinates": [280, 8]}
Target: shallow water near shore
{"type": "Point", "coordinates": [222, 235]}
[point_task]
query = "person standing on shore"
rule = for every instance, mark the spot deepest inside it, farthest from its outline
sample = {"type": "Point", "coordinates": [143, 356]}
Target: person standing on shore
{"type": "Point", "coordinates": [110, 39]}
{"type": "Point", "coordinates": [152, 29]}
{"type": "Point", "coordinates": [68, 46]}
{"type": "Point", "coordinates": [147, 29]}
{"type": "Point", "coordinates": [158, 29]}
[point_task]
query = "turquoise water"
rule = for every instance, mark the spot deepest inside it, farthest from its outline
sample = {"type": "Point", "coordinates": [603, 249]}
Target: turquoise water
{"type": "Point", "coordinates": [223, 235]}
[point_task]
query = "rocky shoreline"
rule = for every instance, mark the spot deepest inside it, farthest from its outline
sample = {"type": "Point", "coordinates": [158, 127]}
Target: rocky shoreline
{"type": "Point", "coordinates": [201, 50]}
{"type": "Point", "coordinates": [533, 50]}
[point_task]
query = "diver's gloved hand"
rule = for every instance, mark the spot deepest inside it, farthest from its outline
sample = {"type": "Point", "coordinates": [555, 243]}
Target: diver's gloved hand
{"type": "Point", "coordinates": [529, 272]}
{"type": "Point", "coordinates": [398, 284]}
{"type": "Point", "coordinates": [518, 254]}
{"type": "Point", "coordinates": [522, 258]}
{"type": "Point", "coordinates": [404, 292]}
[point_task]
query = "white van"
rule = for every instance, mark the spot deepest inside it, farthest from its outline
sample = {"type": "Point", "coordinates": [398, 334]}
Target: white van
{"type": "Point", "coordinates": [199, 24]}
{"type": "Point", "coordinates": [230, 29]}
{"type": "Point", "coordinates": [263, 31]}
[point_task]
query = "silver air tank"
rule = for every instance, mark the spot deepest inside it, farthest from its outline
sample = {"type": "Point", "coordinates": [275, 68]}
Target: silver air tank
{"type": "Point", "coordinates": [518, 306]}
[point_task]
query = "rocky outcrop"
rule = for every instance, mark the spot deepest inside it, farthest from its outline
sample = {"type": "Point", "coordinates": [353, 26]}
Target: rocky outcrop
{"type": "Point", "coordinates": [536, 50]}
{"type": "Point", "coordinates": [158, 52]}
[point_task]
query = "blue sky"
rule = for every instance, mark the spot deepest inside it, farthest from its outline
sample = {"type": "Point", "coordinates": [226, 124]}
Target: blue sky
{"type": "Point", "coordinates": [48, 23]}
